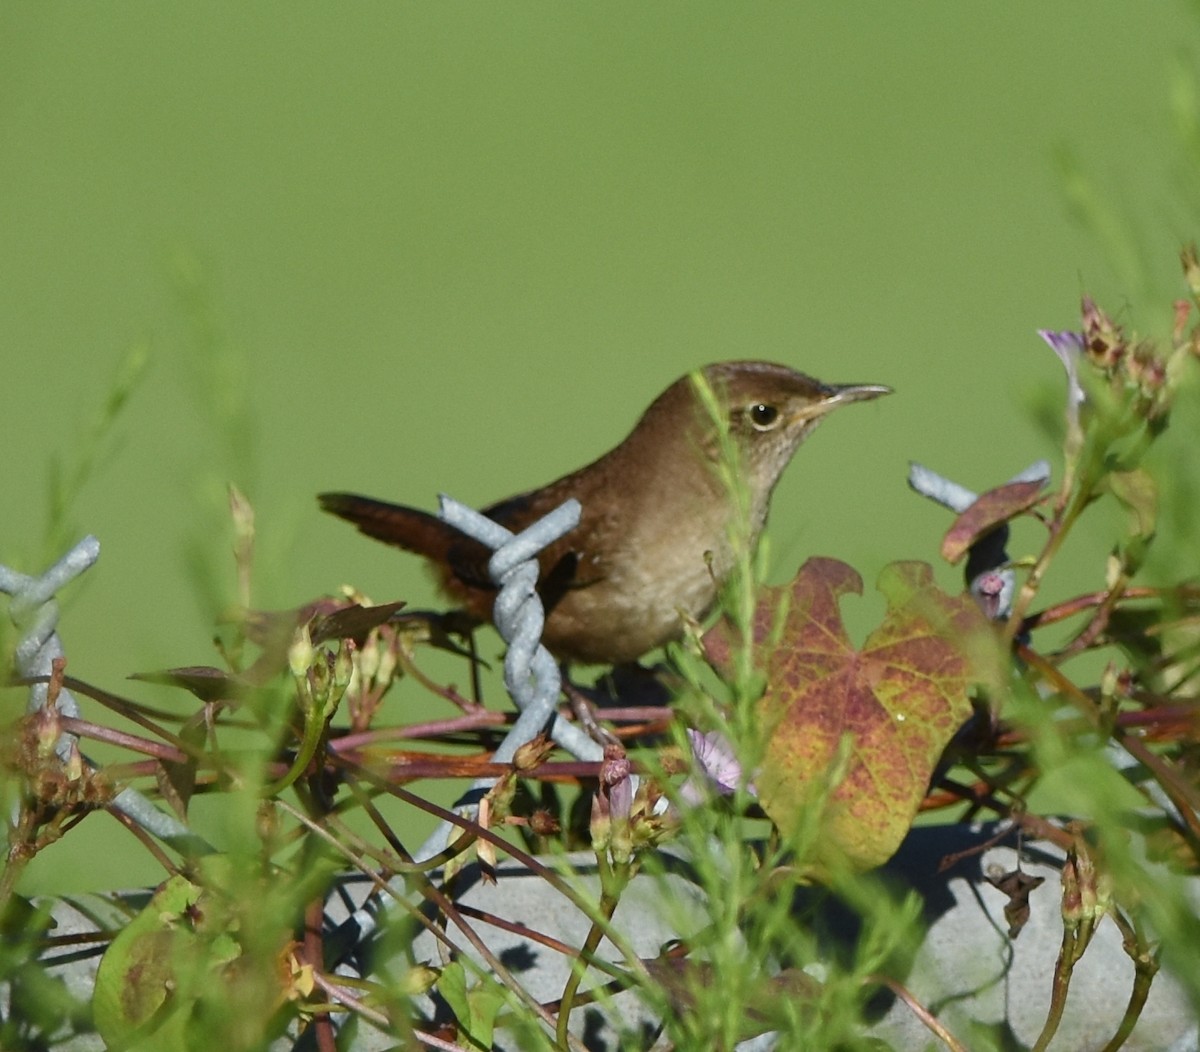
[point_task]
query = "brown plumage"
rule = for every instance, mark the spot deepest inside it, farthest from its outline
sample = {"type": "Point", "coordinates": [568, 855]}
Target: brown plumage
{"type": "Point", "coordinates": [655, 534]}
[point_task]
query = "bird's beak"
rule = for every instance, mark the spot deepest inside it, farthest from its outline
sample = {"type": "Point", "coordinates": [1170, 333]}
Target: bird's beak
{"type": "Point", "coordinates": [844, 394]}
{"type": "Point", "coordinates": [830, 396]}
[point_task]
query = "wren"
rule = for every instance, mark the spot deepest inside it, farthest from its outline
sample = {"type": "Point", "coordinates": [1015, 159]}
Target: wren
{"type": "Point", "coordinates": [656, 538]}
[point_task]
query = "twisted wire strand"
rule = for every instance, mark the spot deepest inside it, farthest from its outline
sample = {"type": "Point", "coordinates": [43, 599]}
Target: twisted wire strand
{"type": "Point", "coordinates": [34, 611]}
{"type": "Point", "coordinates": [531, 675]}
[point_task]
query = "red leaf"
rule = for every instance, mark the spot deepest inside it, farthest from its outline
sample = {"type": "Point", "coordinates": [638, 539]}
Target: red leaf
{"type": "Point", "coordinates": [856, 733]}
{"type": "Point", "coordinates": [992, 509]}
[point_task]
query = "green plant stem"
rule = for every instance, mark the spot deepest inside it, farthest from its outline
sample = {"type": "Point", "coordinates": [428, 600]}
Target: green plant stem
{"type": "Point", "coordinates": [612, 881]}
{"type": "Point", "coordinates": [1073, 945]}
{"type": "Point", "coordinates": [314, 733]}
{"type": "Point", "coordinates": [14, 866]}
{"type": "Point", "coordinates": [1145, 967]}
{"type": "Point", "coordinates": [23, 843]}
{"type": "Point", "coordinates": [1059, 528]}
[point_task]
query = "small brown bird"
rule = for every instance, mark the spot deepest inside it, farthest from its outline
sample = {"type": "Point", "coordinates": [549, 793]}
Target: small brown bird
{"type": "Point", "coordinates": [655, 535]}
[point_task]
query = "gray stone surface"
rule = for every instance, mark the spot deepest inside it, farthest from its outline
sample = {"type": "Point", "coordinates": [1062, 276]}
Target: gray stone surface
{"type": "Point", "coordinates": [990, 991]}
{"type": "Point", "coordinates": [986, 987]}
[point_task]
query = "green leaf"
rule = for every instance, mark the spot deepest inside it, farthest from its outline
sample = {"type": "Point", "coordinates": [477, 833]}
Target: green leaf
{"type": "Point", "coordinates": [452, 985]}
{"type": "Point", "coordinates": [486, 998]}
{"type": "Point", "coordinates": [475, 1008]}
{"type": "Point", "coordinates": [137, 973]}
{"type": "Point", "coordinates": [159, 965]}
{"type": "Point", "coordinates": [1138, 492]}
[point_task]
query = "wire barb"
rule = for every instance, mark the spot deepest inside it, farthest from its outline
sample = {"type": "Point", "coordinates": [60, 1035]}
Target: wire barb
{"type": "Point", "coordinates": [34, 612]}
{"type": "Point", "coordinates": [531, 675]}
{"type": "Point", "coordinates": [989, 578]}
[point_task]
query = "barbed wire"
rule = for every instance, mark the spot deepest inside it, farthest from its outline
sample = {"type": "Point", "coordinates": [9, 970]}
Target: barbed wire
{"type": "Point", "coordinates": [34, 612]}
{"type": "Point", "coordinates": [990, 579]}
{"type": "Point", "coordinates": [531, 674]}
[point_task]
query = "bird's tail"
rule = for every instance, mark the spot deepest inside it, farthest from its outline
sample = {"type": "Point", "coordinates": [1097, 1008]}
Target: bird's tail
{"type": "Point", "coordinates": [408, 528]}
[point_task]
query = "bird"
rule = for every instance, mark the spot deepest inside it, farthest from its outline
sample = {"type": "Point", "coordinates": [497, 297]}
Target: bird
{"type": "Point", "coordinates": [658, 533]}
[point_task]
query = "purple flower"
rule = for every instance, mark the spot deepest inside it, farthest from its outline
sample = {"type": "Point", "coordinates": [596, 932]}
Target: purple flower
{"type": "Point", "coordinates": [1068, 346]}
{"type": "Point", "coordinates": [718, 763]}
{"type": "Point", "coordinates": [612, 803]}
{"type": "Point", "coordinates": [616, 783]}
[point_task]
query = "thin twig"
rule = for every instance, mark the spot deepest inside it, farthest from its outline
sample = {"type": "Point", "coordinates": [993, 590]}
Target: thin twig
{"type": "Point", "coordinates": [931, 1023]}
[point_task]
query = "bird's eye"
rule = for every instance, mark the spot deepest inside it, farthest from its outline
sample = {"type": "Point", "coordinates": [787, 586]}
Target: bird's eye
{"type": "Point", "coordinates": [762, 416]}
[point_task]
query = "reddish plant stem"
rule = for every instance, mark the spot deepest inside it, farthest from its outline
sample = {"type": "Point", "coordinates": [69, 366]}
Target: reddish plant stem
{"type": "Point", "coordinates": [314, 956]}
{"type": "Point", "coordinates": [1071, 607]}
{"type": "Point", "coordinates": [931, 1023]}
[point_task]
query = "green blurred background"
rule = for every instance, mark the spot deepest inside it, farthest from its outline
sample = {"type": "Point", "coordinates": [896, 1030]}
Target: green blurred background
{"type": "Point", "coordinates": [411, 248]}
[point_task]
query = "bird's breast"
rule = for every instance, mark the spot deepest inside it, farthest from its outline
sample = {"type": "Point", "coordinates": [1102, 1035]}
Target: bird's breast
{"type": "Point", "coordinates": [642, 588]}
